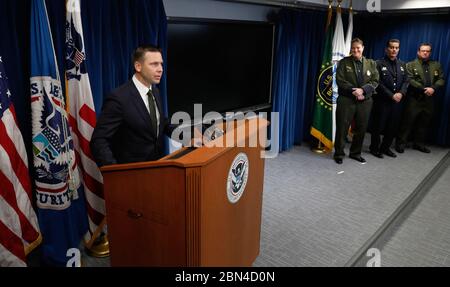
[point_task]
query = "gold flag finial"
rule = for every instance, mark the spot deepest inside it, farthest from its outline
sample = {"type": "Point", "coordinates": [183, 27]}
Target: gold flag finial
{"type": "Point", "coordinates": [339, 9]}
{"type": "Point", "coordinates": [330, 13]}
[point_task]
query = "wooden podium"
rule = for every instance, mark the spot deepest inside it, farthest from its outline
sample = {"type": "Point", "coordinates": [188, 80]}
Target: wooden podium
{"type": "Point", "coordinates": [176, 211]}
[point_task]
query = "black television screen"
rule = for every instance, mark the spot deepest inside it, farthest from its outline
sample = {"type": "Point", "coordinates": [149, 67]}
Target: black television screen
{"type": "Point", "coordinates": [225, 66]}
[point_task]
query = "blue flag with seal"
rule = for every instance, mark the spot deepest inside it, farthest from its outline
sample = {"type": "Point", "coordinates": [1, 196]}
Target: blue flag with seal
{"type": "Point", "coordinates": [59, 192]}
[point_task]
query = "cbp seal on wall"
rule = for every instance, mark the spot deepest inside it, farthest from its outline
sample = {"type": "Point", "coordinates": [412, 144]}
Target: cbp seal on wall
{"type": "Point", "coordinates": [237, 178]}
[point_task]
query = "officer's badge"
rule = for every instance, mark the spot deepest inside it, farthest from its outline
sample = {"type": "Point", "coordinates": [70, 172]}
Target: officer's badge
{"type": "Point", "coordinates": [384, 69]}
{"type": "Point", "coordinates": [436, 73]}
{"type": "Point", "coordinates": [368, 73]}
{"type": "Point", "coordinates": [401, 68]}
{"type": "Point", "coordinates": [348, 68]}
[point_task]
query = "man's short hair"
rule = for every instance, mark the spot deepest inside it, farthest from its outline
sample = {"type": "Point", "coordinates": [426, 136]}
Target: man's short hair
{"type": "Point", "coordinates": [388, 43]}
{"type": "Point", "coordinates": [140, 51]}
{"type": "Point", "coordinates": [425, 44]}
{"type": "Point", "coordinates": [357, 40]}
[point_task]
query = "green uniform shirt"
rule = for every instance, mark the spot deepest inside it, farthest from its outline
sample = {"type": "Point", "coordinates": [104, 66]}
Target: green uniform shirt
{"type": "Point", "coordinates": [347, 79]}
{"type": "Point", "coordinates": [417, 77]}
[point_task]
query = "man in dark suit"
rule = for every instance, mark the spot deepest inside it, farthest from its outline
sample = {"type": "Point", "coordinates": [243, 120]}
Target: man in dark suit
{"type": "Point", "coordinates": [387, 105]}
{"type": "Point", "coordinates": [131, 125]}
{"type": "Point", "coordinates": [426, 78]}
{"type": "Point", "coordinates": [357, 79]}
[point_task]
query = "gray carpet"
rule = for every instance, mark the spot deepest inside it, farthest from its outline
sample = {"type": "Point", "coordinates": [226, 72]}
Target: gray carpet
{"type": "Point", "coordinates": [423, 239]}
{"type": "Point", "coordinates": [318, 213]}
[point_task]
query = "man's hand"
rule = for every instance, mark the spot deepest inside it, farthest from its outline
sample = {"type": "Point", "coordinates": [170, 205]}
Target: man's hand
{"type": "Point", "coordinates": [197, 140]}
{"type": "Point", "coordinates": [358, 92]}
{"type": "Point", "coordinates": [397, 97]}
{"type": "Point", "coordinates": [429, 91]}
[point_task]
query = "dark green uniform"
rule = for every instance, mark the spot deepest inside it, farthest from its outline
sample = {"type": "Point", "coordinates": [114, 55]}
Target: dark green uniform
{"type": "Point", "coordinates": [351, 74]}
{"type": "Point", "coordinates": [419, 107]}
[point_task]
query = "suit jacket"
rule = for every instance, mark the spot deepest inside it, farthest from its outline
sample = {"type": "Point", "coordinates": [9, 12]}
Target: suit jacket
{"type": "Point", "coordinates": [123, 133]}
{"type": "Point", "coordinates": [386, 88]}
{"type": "Point", "coordinates": [417, 77]}
{"type": "Point", "coordinates": [346, 77]}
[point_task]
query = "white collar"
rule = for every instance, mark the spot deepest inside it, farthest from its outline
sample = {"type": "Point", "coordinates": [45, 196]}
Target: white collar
{"type": "Point", "coordinates": [142, 89]}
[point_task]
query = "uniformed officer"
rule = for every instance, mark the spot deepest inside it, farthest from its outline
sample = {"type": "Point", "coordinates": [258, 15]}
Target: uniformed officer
{"type": "Point", "coordinates": [426, 78]}
{"type": "Point", "coordinates": [357, 79]}
{"type": "Point", "coordinates": [387, 105]}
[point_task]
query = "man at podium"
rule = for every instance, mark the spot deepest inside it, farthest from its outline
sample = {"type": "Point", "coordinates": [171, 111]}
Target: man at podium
{"type": "Point", "coordinates": [131, 125]}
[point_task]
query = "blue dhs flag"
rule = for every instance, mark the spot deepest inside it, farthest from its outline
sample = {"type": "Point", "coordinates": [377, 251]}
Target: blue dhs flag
{"type": "Point", "coordinates": [59, 193]}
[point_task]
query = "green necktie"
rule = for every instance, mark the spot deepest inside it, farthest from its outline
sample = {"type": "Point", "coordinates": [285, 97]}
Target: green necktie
{"type": "Point", "coordinates": [152, 108]}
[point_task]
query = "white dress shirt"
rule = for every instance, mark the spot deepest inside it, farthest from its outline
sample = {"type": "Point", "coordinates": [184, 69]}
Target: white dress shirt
{"type": "Point", "coordinates": [143, 90]}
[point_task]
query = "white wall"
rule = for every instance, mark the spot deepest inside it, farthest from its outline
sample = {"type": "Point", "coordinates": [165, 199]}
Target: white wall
{"type": "Point", "coordinates": [413, 4]}
{"type": "Point", "coordinates": [385, 4]}
{"type": "Point", "coordinates": [216, 10]}
{"type": "Point", "coordinates": [361, 5]}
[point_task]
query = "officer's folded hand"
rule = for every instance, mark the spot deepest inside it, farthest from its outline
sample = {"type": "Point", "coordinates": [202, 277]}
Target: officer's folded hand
{"type": "Point", "coordinates": [358, 92]}
{"type": "Point", "coordinates": [429, 91]}
{"type": "Point", "coordinates": [397, 97]}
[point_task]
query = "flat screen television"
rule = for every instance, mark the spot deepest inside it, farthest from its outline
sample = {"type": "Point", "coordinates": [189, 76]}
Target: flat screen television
{"type": "Point", "coordinates": [225, 66]}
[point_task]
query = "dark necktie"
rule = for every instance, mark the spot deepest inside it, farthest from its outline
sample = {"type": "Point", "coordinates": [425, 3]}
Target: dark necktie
{"type": "Point", "coordinates": [152, 108]}
{"type": "Point", "coordinates": [426, 74]}
{"type": "Point", "coordinates": [395, 78]}
{"type": "Point", "coordinates": [359, 73]}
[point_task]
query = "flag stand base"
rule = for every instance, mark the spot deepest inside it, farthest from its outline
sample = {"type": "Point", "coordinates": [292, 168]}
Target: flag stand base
{"type": "Point", "coordinates": [100, 248]}
{"type": "Point", "coordinates": [320, 149]}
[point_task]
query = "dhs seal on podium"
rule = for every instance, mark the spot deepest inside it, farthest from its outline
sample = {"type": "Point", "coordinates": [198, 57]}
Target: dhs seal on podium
{"type": "Point", "coordinates": [237, 178]}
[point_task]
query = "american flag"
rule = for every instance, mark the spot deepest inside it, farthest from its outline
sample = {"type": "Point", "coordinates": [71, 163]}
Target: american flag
{"type": "Point", "coordinates": [19, 231]}
{"type": "Point", "coordinates": [82, 119]}
{"type": "Point", "coordinates": [79, 57]}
